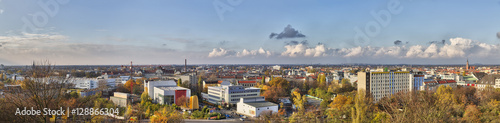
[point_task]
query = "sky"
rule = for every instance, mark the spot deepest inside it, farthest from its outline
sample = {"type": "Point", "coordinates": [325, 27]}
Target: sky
{"type": "Point", "coordinates": [115, 32]}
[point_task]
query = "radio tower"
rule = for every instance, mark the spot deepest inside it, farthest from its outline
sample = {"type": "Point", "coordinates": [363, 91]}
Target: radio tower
{"type": "Point", "coordinates": [130, 77]}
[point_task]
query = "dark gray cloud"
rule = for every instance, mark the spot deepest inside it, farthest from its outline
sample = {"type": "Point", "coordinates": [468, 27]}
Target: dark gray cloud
{"type": "Point", "coordinates": [398, 42]}
{"type": "Point", "coordinates": [304, 42]}
{"type": "Point", "coordinates": [437, 42]}
{"type": "Point", "coordinates": [498, 35]}
{"type": "Point", "coordinates": [288, 32]}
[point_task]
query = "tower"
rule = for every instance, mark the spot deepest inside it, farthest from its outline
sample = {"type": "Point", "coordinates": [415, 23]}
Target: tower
{"type": "Point", "coordinates": [185, 65]}
{"type": "Point", "coordinates": [130, 77]}
{"type": "Point", "coordinates": [467, 65]}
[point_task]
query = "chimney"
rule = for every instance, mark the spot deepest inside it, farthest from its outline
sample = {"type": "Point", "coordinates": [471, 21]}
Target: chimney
{"type": "Point", "coordinates": [185, 65]}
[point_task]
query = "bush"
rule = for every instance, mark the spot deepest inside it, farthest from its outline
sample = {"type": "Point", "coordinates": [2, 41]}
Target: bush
{"type": "Point", "coordinates": [197, 115]}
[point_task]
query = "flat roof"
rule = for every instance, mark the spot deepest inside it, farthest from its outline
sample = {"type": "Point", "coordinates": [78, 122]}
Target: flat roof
{"type": "Point", "coordinates": [261, 104]}
{"type": "Point", "coordinates": [171, 88]}
{"type": "Point", "coordinates": [249, 88]}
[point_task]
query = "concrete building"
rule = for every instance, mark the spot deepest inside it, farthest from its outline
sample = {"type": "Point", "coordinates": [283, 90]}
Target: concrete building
{"type": "Point", "coordinates": [418, 81]}
{"type": "Point", "coordinates": [277, 67]}
{"type": "Point", "coordinates": [120, 99]}
{"type": "Point", "coordinates": [383, 84]}
{"type": "Point", "coordinates": [85, 83]}
{"type": "Point", "coordinates": [497, 83]}
{"type": "Point", "coordinates": [165, 92]}
{"type": "Point", "coordinates": [191, 78]}
{"type": "Point", "coordinates": [434, 84]}
{"type": "Point", "coordinates": [207, 83]}
{"type": "Point", "coordinates": [488, 80]}
{"type": "Point", "coordinates": [229, 94]}
{"type": "Point", "coordinates": [254, 106]}
{"type": "Point", "coordinates": [247, 83]}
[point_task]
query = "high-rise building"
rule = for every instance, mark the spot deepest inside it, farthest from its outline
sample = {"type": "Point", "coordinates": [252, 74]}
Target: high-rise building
{"type": "Point", "coordinates": [383, 84]}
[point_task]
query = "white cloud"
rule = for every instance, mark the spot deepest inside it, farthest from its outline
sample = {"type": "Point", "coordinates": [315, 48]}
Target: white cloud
{"type": "Point", "coordinates": [1, 11]}
{"type": "Point", "coordinates": [220, 52]}
{"type": "Point", "coordinates": [294, 50]}
{"type": "Point", "coordinates": [458, 47]}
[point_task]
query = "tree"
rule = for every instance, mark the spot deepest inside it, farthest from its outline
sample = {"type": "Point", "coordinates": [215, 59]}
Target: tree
{"type": "Point", "coordinates": [121, 88]}
{"type": "Point", "coordinates": [200, 85]}
{"type": "Point", "coordinates": [102, 84]}
{"type": "Point", "coordinates": [359, 109]}
{"type": "Point", "coordinates": [140, 81]}
{"type": "Point", "coordinates": [179, 82]}
{"type": "Point", "coordinates": [181, 101]}
{"type": "Point", "coordinates": [472, 114]}
{"type": "Point", "coordinates": [128, 85]}
{"type": "Point", "coordinates": [145, 98]}
{"type": "Point", "coordinates": [167, 115]}
{"type": "Point", "coordinates": [322, 80]}
{"type": "Point", "coordinates": [278, 88]}
{"type": "Point", "coordinates": [39, 91]}
{"type": "Point", "coordinates": [297, 100]}
{"type": "Point", "coordinates": [263, 81]}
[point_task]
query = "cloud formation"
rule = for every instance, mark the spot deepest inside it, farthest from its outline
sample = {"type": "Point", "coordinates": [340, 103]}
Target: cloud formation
{"type": "Point", "coordinates": [456, 48]}
{"type": "Point", "coordinates": [397, 42]}
{"type": "Point", "coordinates": [296, 42]}
{"type": "Point", "coordinates": [294, 50]}
{"type": "Point", "coordinates": [288, 32]}
{"type": "Point", "coordinates": [498, 35]}
{"type": "Point", "coordinates": [221, 52]}
{"type": "Point", "coordinates": [437, 42]}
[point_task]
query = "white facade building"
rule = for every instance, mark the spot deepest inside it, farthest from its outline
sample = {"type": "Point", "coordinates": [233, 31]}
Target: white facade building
{"type": "Point", "coordinates": [254, 106]}
{"type": "Point", "coordinates": [165, 92]}
{"type": "Point", "coordinates": [229, 93]}
{"type": "Point", "coordinates": [85, 83]}
{"type": "Point", "coordinates": [383, 84]}
{"type": "Point", "coordinates": [497, 83]}
{"type": "Point", "coordinates": [277, 67]}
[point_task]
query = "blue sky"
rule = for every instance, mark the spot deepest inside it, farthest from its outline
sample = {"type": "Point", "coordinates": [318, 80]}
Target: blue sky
{"type": "Point", "coordinates": [166, 32]}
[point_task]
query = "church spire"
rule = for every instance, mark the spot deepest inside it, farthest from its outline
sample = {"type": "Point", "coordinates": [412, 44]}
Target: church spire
{"type": "Point", "coordinates": [467, 65]}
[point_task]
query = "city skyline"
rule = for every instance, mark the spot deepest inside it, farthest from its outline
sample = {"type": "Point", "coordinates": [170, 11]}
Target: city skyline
{"type": "Point", "coordinates": [249, 32]}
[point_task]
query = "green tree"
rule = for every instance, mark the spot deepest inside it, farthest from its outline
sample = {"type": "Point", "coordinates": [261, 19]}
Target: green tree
{"type": "Point", "coordinates": [263, 80]}
{"type": "Point", "coordinates": [179, 82]}
{"type": "Point", "coordinates": [360, 107]}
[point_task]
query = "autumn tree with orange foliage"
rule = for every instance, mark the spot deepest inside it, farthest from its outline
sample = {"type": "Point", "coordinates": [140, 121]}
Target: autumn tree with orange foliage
{"type": "Point", "coordinates": [277, 88]}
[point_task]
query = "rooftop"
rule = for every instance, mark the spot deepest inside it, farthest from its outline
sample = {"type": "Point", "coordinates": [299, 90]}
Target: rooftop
{"type": "Point", "coordinates": [251, 88]}
{"type": "Point", "coordinates": [166, 88]}
{"type": "Point", "coordinates": [489, 79]}
{"type": "Point", "coordinates": [247, 81]}
{"type": "Point", "coordinates": [261, 104]}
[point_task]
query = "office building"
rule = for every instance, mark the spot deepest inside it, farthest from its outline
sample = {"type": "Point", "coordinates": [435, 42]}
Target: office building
{"type": "Point", "coordinates": [229, 94]}
{"type": "Point", "coordinates": [384, 84]}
